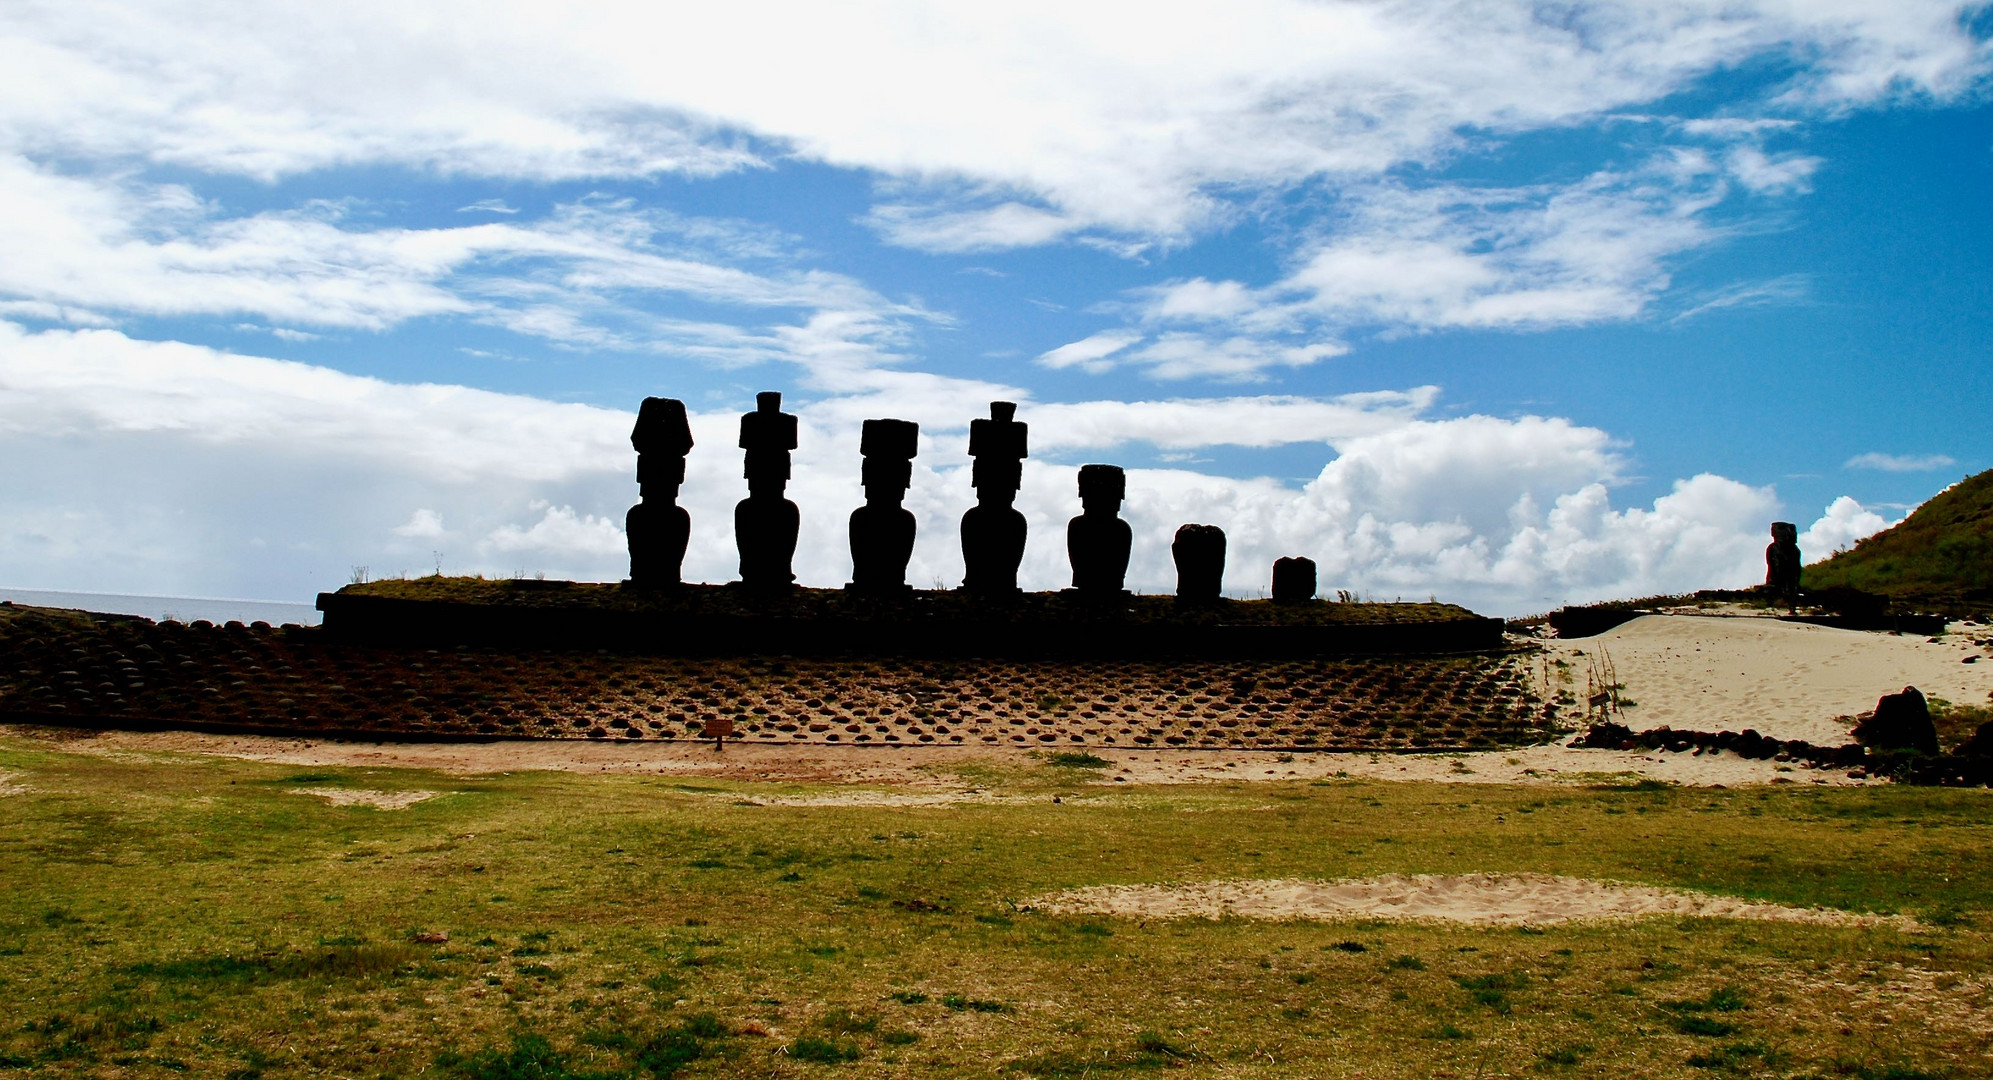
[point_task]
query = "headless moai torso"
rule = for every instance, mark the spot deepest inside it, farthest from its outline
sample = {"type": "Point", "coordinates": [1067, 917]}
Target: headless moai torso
{"type": "Point", "coordinates": [1293, 580]}
{"type": "Point", "coordinates": [657, 527]}
{"type": "Point", "coordinates": [766, 523]}
{"type": "Point", "coordinates": [1098, 541]}
{"type": "Point", "coordinates": [1199, 551]}
{"type": "Point", "coordinates": [882, 531]}
{"type": "Point", "coordinates": [993, 532]}
{"type": "Point", "coordinates": [1782, 563]}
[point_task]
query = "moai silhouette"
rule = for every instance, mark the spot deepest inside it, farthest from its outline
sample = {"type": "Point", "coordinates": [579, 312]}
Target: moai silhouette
{"type": "Point", "coordinates": [882, 530]}
{"type": "Point", "coordinates": [1782, 564]}
{"type": "Point", "coordinates": [1293, 581]}
{"type": "Point", "coordinates": [657, 527]}
{"type": "Point", "coordinates": [993, 531]}
{"type": "Point", "coordinates": [1097, 541]}
{"type": "Point", "coordinates": [1199, 551]}
{"type": "Point", "coordinates": [765, 523]}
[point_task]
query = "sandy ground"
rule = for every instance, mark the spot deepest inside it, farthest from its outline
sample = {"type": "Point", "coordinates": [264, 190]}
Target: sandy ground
{"type": "Point", "coordinates": [1480, 899]}
{"type": "Point", "coordinates": [380, 800]}
{"type": "Point", "coordinates": [1787, 680]}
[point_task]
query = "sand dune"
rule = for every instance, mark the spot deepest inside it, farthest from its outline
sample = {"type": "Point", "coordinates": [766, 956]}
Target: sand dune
{"type": "Point", "coordinates": [1478, 899]}
{"type": "Point", "coordinates": [1787, 680]}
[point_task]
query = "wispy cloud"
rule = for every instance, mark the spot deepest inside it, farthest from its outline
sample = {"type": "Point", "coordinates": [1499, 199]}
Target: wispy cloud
{"type": "Point", "coordinates": [1900, 462]}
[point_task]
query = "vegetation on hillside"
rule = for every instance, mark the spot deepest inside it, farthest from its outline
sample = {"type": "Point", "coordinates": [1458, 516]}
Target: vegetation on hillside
{"type": "Point", "coordinates": [1940, 557]}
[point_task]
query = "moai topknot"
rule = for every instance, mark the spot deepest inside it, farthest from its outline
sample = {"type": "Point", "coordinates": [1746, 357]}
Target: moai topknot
{"type": "Point", "coordinates": [1199, 551]}
{"type": "Point", "coordinates": [1293, 581]}
{"type": "Point", "coordinates": [765, 523]}
{"type": "Point", "coordinates": [993, 531]}
{"type": "Point", "coordinates": [882, 530]}
{"type": "Point", "coordinates": [658, 527]}
{"type": "Point", "coordinates": [1097, 541]}
{"type": "Point", "coordinates": [1782, 564]}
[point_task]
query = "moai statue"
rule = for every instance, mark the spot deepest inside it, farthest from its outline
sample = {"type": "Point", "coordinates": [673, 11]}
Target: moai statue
{"type": "Point", "coordinates": [1782, 564]}
{"type": "Point", "coordinates": [882, 530]}
{"type": "Point", "coordinates": [993, 531]}
{"type": "Point", "coordinates": [765, 523]}
{"type": "Point", "coordinates": [1200, 563]}
{"type": "Point", "coordinates": [658, 527]}
{"type": "Point", "coordinates": [1097, 541]}
{"type": "Point", "coordinates": [1293, 581]}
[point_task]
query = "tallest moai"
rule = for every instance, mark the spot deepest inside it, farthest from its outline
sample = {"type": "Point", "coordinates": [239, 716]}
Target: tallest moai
{"type": "Point", "coordinates": [766, 523]}
{"type": "Point", "coordinates": [993, 531]}
{"type": "Point", "coordinates": [658, 527]}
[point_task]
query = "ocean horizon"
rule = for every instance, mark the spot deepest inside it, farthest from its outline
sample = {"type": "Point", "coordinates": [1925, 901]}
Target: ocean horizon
{"type": "Point", "coordinates": [161, 608]}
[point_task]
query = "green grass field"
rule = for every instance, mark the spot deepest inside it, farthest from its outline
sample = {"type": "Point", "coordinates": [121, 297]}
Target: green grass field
{"type": "Point", "coordinates": [175, 915]}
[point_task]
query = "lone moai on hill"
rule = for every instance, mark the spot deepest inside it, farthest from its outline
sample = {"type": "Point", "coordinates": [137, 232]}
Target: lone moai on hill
{"type": "Point", "coordinates": [1782, 564]}
{"type": "Point", "coordinates": [882, 530]}
{"type": "Point", "coordinates": [766, 523]}
{"type": "Point", "coordinates": [1293, 580]}
{"type": "Point", "coordinates": [1098, 540]}
{"type": "Point", "coordinates": [657, 527]}
{"type": "Point", "coordinates": [1199, 551]}
{"type": "Point", "coordinates": [992, 530]}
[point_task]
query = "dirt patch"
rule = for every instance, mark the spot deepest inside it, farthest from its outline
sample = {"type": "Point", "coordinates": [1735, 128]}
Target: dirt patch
{"type": "Point", "coordinates": [1477, 899]}
{"type": "Point", "coordinates": [927, 773]}
{"type": "Point", "coordinates": [380, 800]}
{"type": "Point", "coordinates": [9, 787]}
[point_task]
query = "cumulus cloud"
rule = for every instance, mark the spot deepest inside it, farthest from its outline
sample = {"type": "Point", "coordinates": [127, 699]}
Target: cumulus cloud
{"type": "Point", "coordinates": [1844, 522]}
{"type": "Point", "coordinates": [169, 467]}
{"type": "Point", "coordinates": [1900, 462]}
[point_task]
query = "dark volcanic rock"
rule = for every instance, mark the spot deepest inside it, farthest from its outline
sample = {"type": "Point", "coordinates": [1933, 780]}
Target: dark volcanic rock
{"type": "Point", "coordinates": [1901, 722]}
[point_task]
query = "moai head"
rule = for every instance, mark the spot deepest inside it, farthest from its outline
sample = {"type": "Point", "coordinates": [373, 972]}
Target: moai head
{"type": "Point", "coordinates": [662, 438]}
{"type": "Point", "coordinates": [889, 447]}
{"type": "Point", "coordinates": [1785, 532]}
{"type": "Point", "coordinates": [767, 434]}
{"type": "Point", "coordinates": [998, 445]}
{"type": "Point", "coordinates": [1101, 488]}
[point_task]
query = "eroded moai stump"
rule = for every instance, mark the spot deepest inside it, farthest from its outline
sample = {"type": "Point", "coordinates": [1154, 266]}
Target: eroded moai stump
{"type": "Point", "coordinates": [882, 530]}
{"type": "Point", "coordinates": [1199, 551]}
{"type": "Point", "coordinates": [1782, 564]}
{"type": "Point", "coordinates": [1098, 540]}
{"type": "Point", "coordinates": [1900, 722]}
{"type": "Point", "coordinates": [766, 523]}
{"type": "Point", "coordinates": [993, 531]}
{"type": "Point", "coordinates": [1293, 580]}
{"type": "Point", "coordinates": [657, 527]}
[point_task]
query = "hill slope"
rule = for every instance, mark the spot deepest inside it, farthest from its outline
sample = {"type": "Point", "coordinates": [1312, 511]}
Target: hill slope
{"type": "Point", "coordinates": [1940, 556]}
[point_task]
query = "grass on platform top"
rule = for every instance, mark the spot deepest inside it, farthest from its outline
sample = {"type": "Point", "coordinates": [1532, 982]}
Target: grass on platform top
{"type": "Point", "coordinates": [916, 605]}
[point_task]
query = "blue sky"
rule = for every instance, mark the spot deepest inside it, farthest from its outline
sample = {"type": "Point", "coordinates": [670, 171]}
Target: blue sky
{"type": "Point", "coordinates": [1503, 304]}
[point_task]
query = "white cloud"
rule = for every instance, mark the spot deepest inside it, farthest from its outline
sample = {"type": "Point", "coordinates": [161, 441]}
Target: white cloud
{"type": "Point", "coordinates": [423, 524]}
{"type": "Point", "coordinates": [1900, 462]}
{"type": "Point", "coordinates": [1008, 225]}
{"type": "Point", "coordinates": [488, 206]}
{"type": "Point", "coordinates": [1236, 359]}
{"type": "Point", "coordinates": [1091, 354]}
{"type": "Point", "coordinates": [160, 467]}
{"type": "Point", "coordinates": [1844, 522]}
{"type": "Point", "coordinates": [1118, 116]}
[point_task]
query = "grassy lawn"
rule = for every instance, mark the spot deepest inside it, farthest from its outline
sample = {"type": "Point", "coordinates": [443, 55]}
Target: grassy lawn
{"type": "Point", "coordinates": [164, 915]}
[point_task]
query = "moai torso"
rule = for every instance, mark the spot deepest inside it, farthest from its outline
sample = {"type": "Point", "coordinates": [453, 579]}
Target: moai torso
{"type": "Point", "coordinates": [1199, 551]}
{"type": "Point", "coordinates": [993, 532]}
{"type": "Point", "coordinates": [657, 527]}
{"type": "Point", "coordinates": [882, 531]}
{"type": "Point", "coordinates": [1098, 541]}
{"type": "Point", "coordinates": [1293, 580]}
{"type": "Point", "coordinates": [766, 523]}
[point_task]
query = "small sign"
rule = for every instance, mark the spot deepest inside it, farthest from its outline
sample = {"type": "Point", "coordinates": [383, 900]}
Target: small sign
{"type": "Point", "coordinates": [721, 727]}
